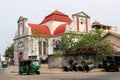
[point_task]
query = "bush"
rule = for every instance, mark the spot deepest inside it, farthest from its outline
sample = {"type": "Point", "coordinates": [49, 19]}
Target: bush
{"type": "Point", "coordinates": [58, 53]}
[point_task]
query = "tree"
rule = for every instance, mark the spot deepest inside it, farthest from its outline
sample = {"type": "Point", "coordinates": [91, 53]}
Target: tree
{"type": "Point", "coordinates": [90, 41]}
{"type": "Point", "coordinates": [9, 52]}
{"type": "Point", "coordinates": [68, 41]}
{"type": "Point", "coordinates": [87, 41]}
{"type": "Point", "coordinates": [103, 48]}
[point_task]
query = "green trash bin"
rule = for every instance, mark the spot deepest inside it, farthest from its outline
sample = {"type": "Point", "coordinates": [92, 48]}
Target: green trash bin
{"type": "Point", "coordinates": [4, 64]}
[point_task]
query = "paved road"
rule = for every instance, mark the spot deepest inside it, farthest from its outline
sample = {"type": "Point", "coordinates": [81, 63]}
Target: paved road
{"type": "Point", "coordinates": [11, 73]}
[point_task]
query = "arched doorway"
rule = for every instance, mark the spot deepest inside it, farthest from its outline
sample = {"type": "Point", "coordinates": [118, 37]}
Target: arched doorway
{"type": "Point", "coordinates": [20, 57]}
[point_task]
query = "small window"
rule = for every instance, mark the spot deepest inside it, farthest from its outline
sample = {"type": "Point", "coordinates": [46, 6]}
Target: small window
{"type": "Point", "coordinates": [81, 22]}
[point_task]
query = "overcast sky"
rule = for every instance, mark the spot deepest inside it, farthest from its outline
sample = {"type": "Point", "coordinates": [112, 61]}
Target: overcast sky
{"type": "Point", "coordinates": [104, 11]}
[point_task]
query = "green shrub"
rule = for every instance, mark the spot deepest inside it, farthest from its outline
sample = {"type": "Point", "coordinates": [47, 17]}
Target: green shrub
{"type": "Point", "coordinates": [58, 53]}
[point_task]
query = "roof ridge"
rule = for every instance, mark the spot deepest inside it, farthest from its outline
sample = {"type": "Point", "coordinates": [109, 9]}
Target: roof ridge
{"type": "Point", "coordinates": [56, 12]}
{"type": "Point", "coordinates": [57, 16]}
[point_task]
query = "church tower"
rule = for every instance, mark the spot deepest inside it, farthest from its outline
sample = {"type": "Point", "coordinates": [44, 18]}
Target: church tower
{"type": "Point", "coordinates": [21, 25]}
{"type": "Point", "coordinates": [81, 22]}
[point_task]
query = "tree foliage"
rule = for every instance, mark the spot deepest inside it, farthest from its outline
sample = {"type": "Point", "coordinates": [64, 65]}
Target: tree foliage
{"type": "Point", "coordinates": [87, 41]}
{"type": "Point", "coordinates": [103, 48]}
{"type": "Point", "coordinates": [9, 51]}
{"type": "Point", "coordinates": [68, 41]}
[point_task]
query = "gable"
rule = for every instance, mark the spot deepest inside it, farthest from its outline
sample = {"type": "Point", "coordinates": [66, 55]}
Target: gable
{"type": "Point", "coordinates": [21, 19]}
{"type": "Point", "coordinates": [81, 14]}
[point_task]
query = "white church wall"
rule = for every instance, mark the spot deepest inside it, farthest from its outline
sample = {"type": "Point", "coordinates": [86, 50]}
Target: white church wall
{"type": "Point", "coordinates": [50, 46]}
{"type": "Point", "coordinates": [35, 47]}
{"type": "Point", "coordinates": [53, 25]}
{"type": "Point", "coordinates": [30, 46]}
{"type": "Point", "coordinates": [89, 26]}
{"type": "Point", "coordinates": [19, 45]}
{"type": "Point", "coordinates": [82, 27]}
{"type": "Point", "coordinates": [74, 23]}
{"type": "Point", "coordinates": [15, 53]}
{"type": "Point", "coordinates": [27, 29]}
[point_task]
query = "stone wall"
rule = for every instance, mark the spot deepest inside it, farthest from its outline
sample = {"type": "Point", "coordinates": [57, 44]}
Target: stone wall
{"type": "Point", "coordinates": [59, 62]}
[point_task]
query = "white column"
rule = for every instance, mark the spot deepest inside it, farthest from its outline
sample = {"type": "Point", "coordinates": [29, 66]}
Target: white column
{"type": "Point", "coordinates": [42, 49]}
{"type": "Point", "coordinates": [50, 46]}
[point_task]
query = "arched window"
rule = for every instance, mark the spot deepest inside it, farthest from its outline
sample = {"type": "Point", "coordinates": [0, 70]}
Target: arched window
{"type": "Point", "coordinates": [82, 21]}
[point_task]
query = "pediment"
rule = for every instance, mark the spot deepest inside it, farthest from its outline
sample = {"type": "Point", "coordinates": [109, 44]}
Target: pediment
{"type": "Point", "coordinates": [21, 19]}
{"type": "Point", "coordinates": [81, 14]}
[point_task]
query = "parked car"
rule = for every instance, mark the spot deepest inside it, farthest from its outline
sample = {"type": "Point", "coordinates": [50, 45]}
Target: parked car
{"type": "Point", "coordinates": [29, 66]}
{"type": "Point", "coordinates": [111, 63]}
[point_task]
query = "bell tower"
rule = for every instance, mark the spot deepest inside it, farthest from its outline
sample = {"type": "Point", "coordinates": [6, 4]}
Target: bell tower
{"type": "Point", "coordinates": [21, 25]}
{"type": "Point", "coordinates": [81, 22]}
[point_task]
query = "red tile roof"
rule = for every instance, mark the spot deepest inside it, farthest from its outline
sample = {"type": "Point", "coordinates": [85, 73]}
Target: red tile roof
{"type": "Point", "coordinates": [41, 30]}
{"type": "Point", "coordinates": [60, 30]}
{"type": "Point", "coordinates": [57, 16]}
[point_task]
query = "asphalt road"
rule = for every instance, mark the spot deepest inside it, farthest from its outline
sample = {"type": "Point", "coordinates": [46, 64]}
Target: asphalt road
{"type": "Point", "coordinates": [11, 73]}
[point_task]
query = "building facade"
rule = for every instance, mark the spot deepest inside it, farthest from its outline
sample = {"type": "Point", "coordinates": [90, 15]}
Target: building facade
{"type": "Point", "coordinates": [105, 28]}
{"type": "Point", "coordinates": [114, 39]}
{"type": "Point", "coordinates": [36, 41]}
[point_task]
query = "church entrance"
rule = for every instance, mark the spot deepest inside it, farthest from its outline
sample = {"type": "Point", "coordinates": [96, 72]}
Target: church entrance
{"type": "Point", "coordinates": [20, 56]}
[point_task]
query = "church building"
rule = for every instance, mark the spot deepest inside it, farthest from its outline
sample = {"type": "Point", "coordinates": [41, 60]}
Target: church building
{"type": "Point", "coordinates": [36, 41]}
